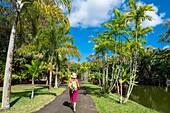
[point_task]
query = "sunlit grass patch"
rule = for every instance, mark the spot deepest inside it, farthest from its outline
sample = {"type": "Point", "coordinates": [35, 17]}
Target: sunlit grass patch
{"type": "Point", "coordinates": [22, 103]}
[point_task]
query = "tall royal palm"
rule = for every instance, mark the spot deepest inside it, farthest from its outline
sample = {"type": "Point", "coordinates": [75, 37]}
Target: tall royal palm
{"type": "Point", "coordinates": [8, 68]}
{"type": "Point", "coordinates": [18, 5]}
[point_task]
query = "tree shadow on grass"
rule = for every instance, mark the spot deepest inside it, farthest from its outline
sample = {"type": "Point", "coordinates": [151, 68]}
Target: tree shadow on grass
{"type": "Point", "coordinates": [19, 95]}
{"type": "Point", "coordinates": [13, 102]}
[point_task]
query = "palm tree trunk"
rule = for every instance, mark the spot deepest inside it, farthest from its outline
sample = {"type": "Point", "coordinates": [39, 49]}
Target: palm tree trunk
{"type": "Point", "coordinates": [99, 78]}
{"type": "Point", "coordinates": [56, 76]}
{"type": "Point", "coordinates": [46, 80]}
{"type": "Point", "coordinates": [112, 79]}
{"type": "Point", "coordinates": [113, 82]}
{"type": "Point", "coordinates": [117, 81]}
{"type": "Point", "coordinates": [56, 79]}
{"type": "Point", "coordinates": [107, 74]}
{"type": "Point", "coordinates": [32, 95]}
{"type": "Point", "coordinates": [103, 75]}
{"type": "Point", "coordinates": [130, 85]}
{"type": "Point", "coordinates": [134, 68]}
{"type": "Point", "coordinates": [120, 86]}
{"type": "Point", "coordinates": [8, 68]}
{"type": "Point", "coordinates": [51, 71]}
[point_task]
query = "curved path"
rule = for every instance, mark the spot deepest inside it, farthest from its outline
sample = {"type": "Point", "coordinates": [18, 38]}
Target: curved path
{"type": "Point", "coordinates": [61, 104]}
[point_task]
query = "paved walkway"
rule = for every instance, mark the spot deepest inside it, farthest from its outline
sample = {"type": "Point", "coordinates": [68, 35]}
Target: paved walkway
{"type": "Point", "coordinates": [61, 104]}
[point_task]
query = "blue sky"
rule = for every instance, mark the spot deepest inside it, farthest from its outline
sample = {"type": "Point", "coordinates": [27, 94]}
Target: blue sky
{"type": "Point", "coordinates": [88, 15]}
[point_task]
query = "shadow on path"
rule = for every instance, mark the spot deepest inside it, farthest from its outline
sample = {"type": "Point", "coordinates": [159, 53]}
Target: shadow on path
{"type": "Point", "coordinates": [66, 103]}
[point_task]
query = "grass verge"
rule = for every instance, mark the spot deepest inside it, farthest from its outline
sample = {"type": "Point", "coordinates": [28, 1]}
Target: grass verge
{"type": "Point", "coordinates": [108, 103]}
{"type": "Point", "coordinates": [21, 102]}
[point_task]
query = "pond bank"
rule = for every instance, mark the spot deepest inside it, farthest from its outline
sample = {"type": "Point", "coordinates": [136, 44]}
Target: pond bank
{"type": "Point", "coordinates": [109, 103]}
{"type": "Point", "coordinates": [152, 97]}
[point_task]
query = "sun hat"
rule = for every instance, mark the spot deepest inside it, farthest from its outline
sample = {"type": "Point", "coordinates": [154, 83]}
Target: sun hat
{"type": "Point", "coordinates": [74, 75]}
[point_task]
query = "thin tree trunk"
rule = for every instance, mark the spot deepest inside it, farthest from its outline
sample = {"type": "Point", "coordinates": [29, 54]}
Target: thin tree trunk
{"type": "Point", "coordinates": [8, 68]}
{"type": "Point", "coordinates": [99, 78]}
{"type": "Point", "coordinates": [121, 68]}
{"type": "Point", "coordinates": [117, 81]}
{"type": "Point", "coordinates": [132, 78]}
{"type": "Point", "coordinates": [112, 84]}
{"type": "Point", "coordinates": [103, 80]}
{"type": "Point", "coordinates": [99, 81]}
{"type": "Point", "coordinates": [120, 86]}
{"type": "Point", "coordinates": [47, 80]}
{"type": "Point", "coordinates": [56, 80]}
{"type": "Point", "coordinates": [107, 74]}
{"type": "Point", "coordinates": [103, 75]}
{"type": "Point", "coordinates": [112, 79]}
{"type": "Point", "coordinates": [51, 72]}
{"type": "Point", "coordinates": [32, 95]}
{"type": "Point", "coordinates": [130, 85]}
{"type": "Point", "coordinates": [134, 66]}
{"type": "Point", "coordinates": [56, 76]}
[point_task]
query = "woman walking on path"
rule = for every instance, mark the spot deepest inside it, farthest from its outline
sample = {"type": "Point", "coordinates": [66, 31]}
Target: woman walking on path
{"type": "Point", "coordinates": [73, 86]}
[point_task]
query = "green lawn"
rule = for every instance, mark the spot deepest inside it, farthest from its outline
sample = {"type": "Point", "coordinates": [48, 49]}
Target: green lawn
{"type": "Point", "coordinates": [21, 101]}
{"type": "Point", "coordinates": [108, 103]}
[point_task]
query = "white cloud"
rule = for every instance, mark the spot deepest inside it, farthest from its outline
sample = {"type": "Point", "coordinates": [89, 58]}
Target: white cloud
{"type": "Point", "coordinates": [92, 13]}
{"type": "Point", "coordinates": [166, 47]}
{"type": "Point", "coordinates": [156, 18]}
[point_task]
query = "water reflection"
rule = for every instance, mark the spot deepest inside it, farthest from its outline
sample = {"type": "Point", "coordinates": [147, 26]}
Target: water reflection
{"type": "Point", "coordinates": [153, 97]}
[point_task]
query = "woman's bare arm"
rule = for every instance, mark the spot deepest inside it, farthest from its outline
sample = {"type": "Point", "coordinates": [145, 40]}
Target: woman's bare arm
{"type": "Point", "coordinates": [78, 85]}
{"type": "Point", "coordinates": [68, 84]}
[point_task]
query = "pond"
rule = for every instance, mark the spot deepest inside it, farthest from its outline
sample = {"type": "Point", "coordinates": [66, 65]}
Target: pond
{"type": "Point", "coordinates": [152, 97]}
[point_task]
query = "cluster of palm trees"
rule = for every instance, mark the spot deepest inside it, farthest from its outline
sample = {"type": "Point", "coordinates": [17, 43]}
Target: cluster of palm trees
{"type": "Point", "coordinates": [121, 46]}
{"type": "Point", "coordinates": [120, 53]}
{"type": "Point", "coordinates": [39, 40]}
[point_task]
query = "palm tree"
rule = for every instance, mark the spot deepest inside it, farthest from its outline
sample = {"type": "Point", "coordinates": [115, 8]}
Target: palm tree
{"type": "Point", "coordinates": [65, 48]}
{"type": "Point", "coordinates": [48, 36]}
{"type": "Point", "coordinates": [56, 42]}
{"type": "Point", "coordinates": [118, 29]}
{"type": "Point", "coordinates": [34, 70]}
{"type": "Point", "coordinates": [51, 16]}
{"type": "Point", "coordinates": [5, 26]}
{"type": "Point", "coordinates": [18, 4]}
{"type": "Point", "coordinates": [8, 68]}
{"type": "Point", "coordinates": [127, 56]}
{"type": "Point", "coordinates": [137, 15]}
{"type": "Point", "coordinates": [101, 47]}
